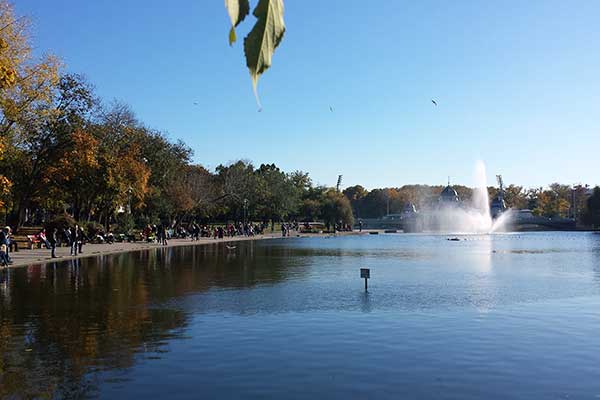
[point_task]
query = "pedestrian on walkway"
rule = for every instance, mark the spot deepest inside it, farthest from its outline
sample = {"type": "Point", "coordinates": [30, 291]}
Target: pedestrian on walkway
{"type": "Point", "coordinates": [74, 239]}
{"type": "Point", "coordinates": [81, 237]}
{"type": "Point", "coordinates": [53, 239]}
{"type": "Point", "coordinates": [4, 261]}
{"type": "Point", "coordinates": [163, 235]}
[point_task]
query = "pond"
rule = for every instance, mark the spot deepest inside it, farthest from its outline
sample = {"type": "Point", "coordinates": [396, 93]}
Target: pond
{"type": "Point", "coordinates": [492, 316]}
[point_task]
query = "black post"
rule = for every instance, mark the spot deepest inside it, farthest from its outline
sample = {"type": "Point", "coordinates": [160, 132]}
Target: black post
{"type": "Point", "coordinates": [365, 273]}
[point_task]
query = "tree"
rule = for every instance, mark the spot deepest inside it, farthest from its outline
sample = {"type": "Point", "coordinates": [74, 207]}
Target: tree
{"type": "Point", "coordinates": [34, 152]}
{"type": "Point", "coordinates": [593, 205]}
{"type": "Point", "coordinates": [301, 181]}
{"type": "Point", "coordinates": [580, 196]}
{"type": "Point", "coordinates": [336, 209]}
{"type": "Point", "coordinates": [356, 194]}
{"type": "Point", "coordinates": [26, 86]}
{"type": "Point", "coordinates": [515, 197]}
{"type": "Point", "coordinates": [276, 194]}
{"type": "Point", "coordinates": [26, 90]}
{"type": "Point", "coordinates": [238, 183]}
{"type": "Point", "coordinates": [123, 173]}
{"type": "Point", "coordinates": [167, 162]}
{"type": "Point", "coordinates": [310, 206]}
{"type": "Point", "coordinates": [203, 189]}
{"type": "Point", "coordinates": [71, 180]}
{"type": "Point", "coordinates": [375, 203]}
{"type": "Point", "coordinates": [5, 183]}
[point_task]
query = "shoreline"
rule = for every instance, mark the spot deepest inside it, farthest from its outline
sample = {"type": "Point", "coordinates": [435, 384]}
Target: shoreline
{"type": "Point", "coordinates": [26, 257]}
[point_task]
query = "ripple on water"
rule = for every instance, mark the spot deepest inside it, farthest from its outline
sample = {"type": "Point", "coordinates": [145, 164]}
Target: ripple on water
{"type": "Point", "coordinates": [490, 316]}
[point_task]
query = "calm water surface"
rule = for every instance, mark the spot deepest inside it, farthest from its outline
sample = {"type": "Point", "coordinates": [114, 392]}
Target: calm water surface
{"type": "Point", "coordinates": [489, 317]}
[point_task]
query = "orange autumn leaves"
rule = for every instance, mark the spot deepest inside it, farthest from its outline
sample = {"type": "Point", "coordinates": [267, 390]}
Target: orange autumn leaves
{"type": "Point", "coordinates": [5, 183]}
{"type": "Point", "coordinates": [95, 169]}
{"type": "Point", "coordinates": [25, 85]}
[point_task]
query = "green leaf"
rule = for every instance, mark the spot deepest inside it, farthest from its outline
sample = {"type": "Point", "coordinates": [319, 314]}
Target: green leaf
{"type": "Point", "coordinates": [263, 39]}
{"type": "Point", "coordinates": [237, 10]}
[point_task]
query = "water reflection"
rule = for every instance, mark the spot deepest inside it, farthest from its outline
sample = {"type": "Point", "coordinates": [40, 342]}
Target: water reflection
{"type": "Point", "coordinates": [365, 299]}
{"type": "Point", "coordinates": [62, 325]}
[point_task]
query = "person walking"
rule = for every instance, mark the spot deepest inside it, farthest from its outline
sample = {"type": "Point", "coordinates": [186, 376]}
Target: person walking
{"type": "Point", "coordinates": [66, 236]}
{"type": "Point", "coordinates": [4, 260]}
{"type": "Point", "coordinates": [163, 235]}
{"type": "Point", "coordinates": [74, 239]}
{"type": "Point", "coordinates": [81, 237]}
{"type": "Point", "coordinates": [53, 240]}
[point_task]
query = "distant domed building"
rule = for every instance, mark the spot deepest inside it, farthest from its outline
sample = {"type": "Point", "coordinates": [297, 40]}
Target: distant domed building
{"type": "Point", "coordinates": [498, 206]}
{"type": "Point", "coordinates": [449, 196]}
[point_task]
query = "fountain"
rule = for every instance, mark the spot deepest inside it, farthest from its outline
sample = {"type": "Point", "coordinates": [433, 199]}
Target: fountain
{"type": "Point", "coordinates": [450, 215]}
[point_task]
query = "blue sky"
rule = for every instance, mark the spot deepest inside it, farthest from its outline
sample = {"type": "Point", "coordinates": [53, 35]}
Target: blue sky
{"type": "Point", "coordinates": [517, 83]}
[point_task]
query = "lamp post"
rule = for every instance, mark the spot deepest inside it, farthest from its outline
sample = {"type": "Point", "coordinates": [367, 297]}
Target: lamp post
{"type": "Point", "coordinates": [245, 209]}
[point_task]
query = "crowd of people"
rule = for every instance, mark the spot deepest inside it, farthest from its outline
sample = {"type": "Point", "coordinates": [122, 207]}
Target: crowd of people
{"type": "Point", "coordinates": [75, 237]}
{"type": "Point", "coordinates": [196, 231]}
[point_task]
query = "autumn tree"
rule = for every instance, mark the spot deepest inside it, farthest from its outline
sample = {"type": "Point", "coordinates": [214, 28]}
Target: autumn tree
{"type": "Point", "coordinates": [27, 87]}
{"type": "Point", "coordinates": [35, 154]}
{"type": "Point", "coordinates": [515, 197]}
{"type": "Point", "coordinates": [123, 173]}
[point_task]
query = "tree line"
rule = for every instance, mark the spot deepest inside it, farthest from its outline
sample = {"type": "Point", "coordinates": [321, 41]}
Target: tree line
{"type": "Point", "coordinates": [64, 151]}
{"type": "Point", "coordinates": [557, 200]}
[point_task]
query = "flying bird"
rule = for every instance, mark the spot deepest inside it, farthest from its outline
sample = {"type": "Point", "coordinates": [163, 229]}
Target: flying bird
{"type": "Point", "coordinates": [434, 102]}
{"type": "Point", "coordinates": [195, 103]}
{"type": "Point", "coordinates": [330, 108]}
{"type": "Point", "coordinates": [231, 247]}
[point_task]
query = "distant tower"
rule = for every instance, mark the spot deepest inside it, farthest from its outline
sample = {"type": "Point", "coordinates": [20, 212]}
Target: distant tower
{"type": "Point", "coordinates": [339, 183]}
{"type": "Point", "coordinates": [449, 195]}
{"type": "Point", "coordinates": [501, 185]}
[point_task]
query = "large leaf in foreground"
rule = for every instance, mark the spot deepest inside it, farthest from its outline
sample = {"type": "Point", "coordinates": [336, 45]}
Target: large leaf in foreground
{"type": "Point", "coordinates": [237, 9]}
{"type": "Point", "coordinates": [263, 39]}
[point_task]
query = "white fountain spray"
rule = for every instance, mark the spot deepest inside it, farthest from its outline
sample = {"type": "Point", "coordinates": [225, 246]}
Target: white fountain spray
{"type": "Point", "coordinates": [481, 199]}
{"type": "Point", "coordinates": [467, 218]}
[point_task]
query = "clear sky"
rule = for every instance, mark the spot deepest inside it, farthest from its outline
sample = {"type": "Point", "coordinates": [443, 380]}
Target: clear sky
{"type": "Point", "coordinates": [517, 83]}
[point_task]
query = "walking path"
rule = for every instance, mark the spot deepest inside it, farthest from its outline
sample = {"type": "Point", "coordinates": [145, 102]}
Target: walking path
{"type": "Point", "coordinates": [26, 257]}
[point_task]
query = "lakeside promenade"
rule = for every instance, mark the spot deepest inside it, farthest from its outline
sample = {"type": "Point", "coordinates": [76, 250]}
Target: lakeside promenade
{"type": "Point", "coordinates": [27, 257]}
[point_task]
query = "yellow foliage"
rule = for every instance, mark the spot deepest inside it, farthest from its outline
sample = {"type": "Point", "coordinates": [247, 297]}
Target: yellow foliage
{"type": "Point", "coordinates": [5, 185]}
{"type": "Point", "coordinates": [26, 86]}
